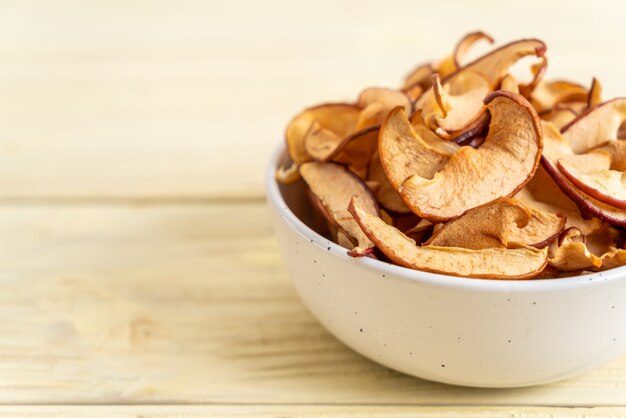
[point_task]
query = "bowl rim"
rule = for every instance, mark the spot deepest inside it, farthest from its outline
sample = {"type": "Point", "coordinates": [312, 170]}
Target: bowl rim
{"type": "Point", "coordinates": [276, 200]}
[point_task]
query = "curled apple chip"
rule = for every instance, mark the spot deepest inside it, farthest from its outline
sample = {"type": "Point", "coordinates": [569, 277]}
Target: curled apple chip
{"type": "Point", "coordinates": [615, 257]}
{"type": "Point", "coordinates": [466, 43]}
{"type": "Point", "coordinates": [595, 189]}
{"type": "Point", "coordinates": [490, 263]}
{"type": "Point", "coordinates": [338, 119]}
{"type": "Point", "coordinates": [595, 93]}
{"type": "Point", "coordinates": [334, 185]}
{"type": "Point", "coordinates": [505, 222]}
{"type": "Point", "coordinates": [420, 77]}
{"type": "Point", "coordinates": [386, 195]}
{"type": "Point", "coordinates": [473, 177]}
{"type": "Point", "coordinates": [453, 107]}
{"type": "Point", "coordinates": [403, 152]}
{"type": "Point", "coordinates": [548, 94]}
{"type": "Point", "coordinates": [487, 226]}
{"type": "Point", "coordinates": [288, 175]}
{"type": "Point", "coordinates": [570, 253]}
{"type": "Point", "coordinates": [376, 102]}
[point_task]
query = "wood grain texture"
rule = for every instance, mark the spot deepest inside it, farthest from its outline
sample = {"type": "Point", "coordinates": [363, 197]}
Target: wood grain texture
{"type": "Point", "coordinates": [304, 411]}
{"type": "Point", "coordinates": [162, 99]}
{"type": "Point", "coordinates": [191, 304]}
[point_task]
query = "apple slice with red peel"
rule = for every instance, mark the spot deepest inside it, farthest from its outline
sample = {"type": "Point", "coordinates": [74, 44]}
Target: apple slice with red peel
{"type": "Point", "coordinates": [356, 150]}
{"type": "Point", "coordinates": [559, 116]}
{"type": "Point", "coordinates": [334, 185]}
{"type": "Point", "coordinates": [595, 93]}
{"type": "Point", "coordinates": [570, 253]}
{"type": "Point", "coordinates": [473, 177]}
{"type": "Point", "coordinates": [456, 105]}
{"type": "Point", "coordinates": [495, 65]}
{"type": "Point", "coordinates": [288, 175]}
{"type": "Point", "coordinates": [419, 77]}
{"type": "Point", "coordinates": [486, 226]}
{"type": "Point", "coordinates": [592, 174]}
{"type": "Point", "coordinates": [320, 142]}
{"type": "Point", "coordinates": [595, 126]}
{"type": "Point", "coordinates": [376, 103]}
{"type": "Point", "coordinates": [386, 195]}
{"type": "Point", "coordinates": [538, 70]}
{"type": "Point", "coordinates": [546, 95]}
{"type": "Point", "coordinates": [490, 263]}
{"type": "Point", "coordinates": [463, 47]}
{"type": "Point", "coordinates": [505, 222]}
{"type": "Point", "coordinates": [338, 118]}
{"type": "Point", "coordinates": [403, 152]}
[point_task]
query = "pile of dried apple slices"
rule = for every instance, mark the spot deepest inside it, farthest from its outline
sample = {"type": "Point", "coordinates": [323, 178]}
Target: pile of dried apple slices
{"type": "Point", "coordinates": [465, 171]}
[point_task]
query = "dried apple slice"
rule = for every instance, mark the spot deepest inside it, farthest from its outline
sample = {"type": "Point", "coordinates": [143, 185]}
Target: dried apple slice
{"type": "Point", "coordinates": [473, 177]}
{"type": "Point", "coordinates": [595, 93]}
{"type": "Point", "coordinates": [466, 43]}
{"type": "Point", "coordinates": [505, 222]}
{"type": "Point", "coordinates": [495, 65]}
{"type": "Point", "coordinates": [559, 116]}
{"type": "Point", "coordinates": [338, 118]}
{"type": "Point", "coordinates": [570, 253]}
{"type": "Point", "coordinates": [356, 150]}
{"type": "Point", "coordinates": [491, 263]}
{"type": "Point", "coordinates": [592, 174]}
{"type": "Point", "coordinates": [538, 70]}
{"type": "Point", "coordinates": [419, 77]}
{"type": "Point", "coordinates": [377, 102]}
{"type": "Point", "coordinates": [334, 185]}
{"type": "Point", "coordinates": [403, 152]}
{"type": "Point", "coordinates": [547, 94]}
{"type": "Point", "coordinates": [288, 175]}
{"type": "Point", "coordinates": [615, 257]}
{"type": "Point", "coordinates": [320, 142]}
{"type": "Point", "coordinates": [386, 195]}
{"type": "Point", "coordinates": [456, 105]}
{"type": "Point", "coordinates": [595, 126]}
{"type": "Point", "coordinates": [589, 130]}
{"type": "Point", "coordinates": [487, 226]}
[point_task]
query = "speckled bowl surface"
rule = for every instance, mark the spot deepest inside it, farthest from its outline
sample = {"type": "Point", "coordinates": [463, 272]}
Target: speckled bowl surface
{"type": "Point", "coordinates": [461, 331]}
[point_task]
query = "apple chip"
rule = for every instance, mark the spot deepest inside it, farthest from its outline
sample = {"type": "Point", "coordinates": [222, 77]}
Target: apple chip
{"type": "Point", "coordinates": [334, 185]}
{"type": "Point", "coordinates": [376, 102]}
{"type": "Point", "coordinates": [595, 93]}
{"type": "Point", "coordinates": [490, 263]}
{"type": "Point", "coordinates": [453, 107]}
{"type": "Point", "coordinates": [571, 253]}
{"type": "Point", "coordinates": [548, 94]}
{"type": "Point", "coordinates": [505, 222]}
{"type": "Point", "coordinates": [596, 126]}
{"type": "Point", "coordinates": [386, 195]}
{"type": "Point", "coordinates": [288, 175]}
{"type": "Point", "coordinates": [463, 47]}
{"type": "Point", "coordinates": [338, 119]}
{"type": "Point", "coordinates": [403, 152]}
{"type": "Point", "coordinates": [473, 177]}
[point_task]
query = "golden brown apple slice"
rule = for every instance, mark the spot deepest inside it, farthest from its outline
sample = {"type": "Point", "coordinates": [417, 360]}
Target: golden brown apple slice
{"type": "Point", "coordinates": [558, 116]}
{"type": "Point", "coordinates": [473, 177]}
{"type": "Point", "coordinates": [338, 118]}
{"type": "Point", "coordinates": [491, 263]}
{"type": "Point", "coordinates": [615, 257]}
{"type": "Point", "coordinates": [538, 70]}
{"type": "Point", "coordinates": [376, 103]}
{"type": "Point", "coordinates": [356, 150]}
{"type": "Point", "coordinates": [547, 94]}
{"type": "Point", "coordinates": [463, 47]}
{"type": "Point", "coordinates": [570, 252]}
{"type": "Point", "coordinates": [386, 195]}
{"type": "Point", "coordinates": [505, 222]}
{"type": "Point", "coordinates": [334, 185]}
{"type": "Point", "coordinates": [419, 77]}
{"type": "Point", "coordinates": [595, 126]}
{"type": "Point", "coordinates": [487, 226]}
{"type": "Point", "coordinates": [403, 152]}
{"type": "Point", "coordinates": [495, 65]}
{"type": "Point", "coordinates": [592, 174]}
{"type": "Point", "coordinates": [288, 175]}
{"type": "Point", "coordinates": [456, 105]}
{"type": "Point", "coordinates": [595, 93]}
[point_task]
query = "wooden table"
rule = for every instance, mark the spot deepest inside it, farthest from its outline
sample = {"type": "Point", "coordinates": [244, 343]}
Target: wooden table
{"type": "Point", "coordinates": [139, 275]}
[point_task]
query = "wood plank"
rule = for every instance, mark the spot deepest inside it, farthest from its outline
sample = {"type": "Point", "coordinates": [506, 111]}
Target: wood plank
{"type": "Point", "coordinates": [304, 411]}
{"type": "Point", "coordinates": [158, 99]}
{"type": "Point", "coordinates": [191, 304]}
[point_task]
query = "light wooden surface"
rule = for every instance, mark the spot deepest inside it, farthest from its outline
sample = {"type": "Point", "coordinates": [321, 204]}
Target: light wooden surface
{"type": "Point", "coordinates": [138, 271]}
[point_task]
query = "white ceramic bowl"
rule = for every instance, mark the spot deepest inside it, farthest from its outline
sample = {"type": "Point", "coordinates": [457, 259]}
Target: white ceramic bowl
{"type": "Point", "coordinates": [462, 331]}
